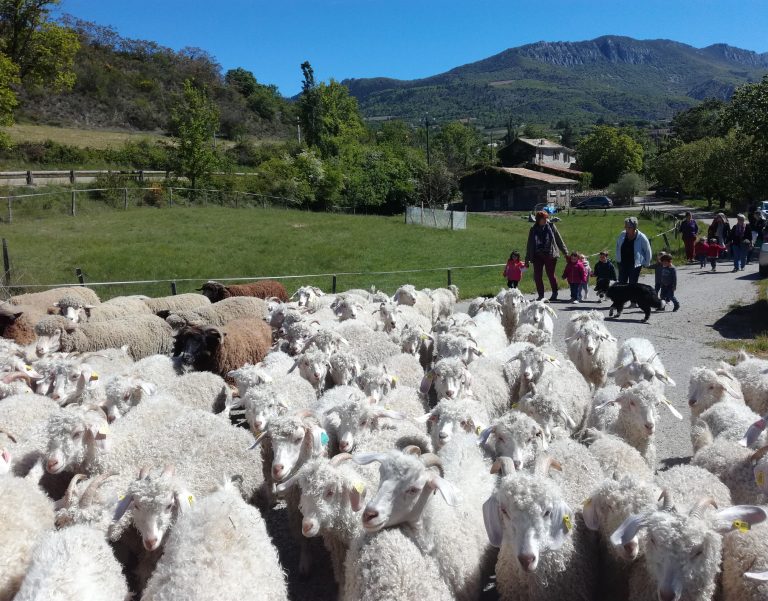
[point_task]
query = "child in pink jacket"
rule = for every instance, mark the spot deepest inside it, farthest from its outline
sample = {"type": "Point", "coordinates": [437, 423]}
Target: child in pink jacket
{"type": "Point", "coordinates": [575, 275]}
{"type": "Point", "coordinates": [514, 270]}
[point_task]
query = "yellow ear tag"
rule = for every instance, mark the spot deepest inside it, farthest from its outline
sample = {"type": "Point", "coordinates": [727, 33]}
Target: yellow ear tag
{"type": "Point", "coordinates": [394, 379]}
{"type": "Point", "coordinates": [359, 487]}
{"type": "Point", "coordinates": [28, 367]}
{"type": "Point", "coordinates": [191, 500]}
{"type": "Point", "coordinates": [741, 525]}
{"type": "Point", "coordinates": [567, 523]}
{"type": "Point", "coordinates": [104, 430]}
{"type": "Point", "coordinates": [514, 405]}
{"type": "Point", "coordinates": [478, 430]}
{"type": "Point", "coordinates": [760, 478]}
{"type": "Point", "coordinates": [482, 350]}
{"type": "Point", "coordinates": [551, 359]}
{"type": "Point", "coordinates": [423, 336]}
{"type": "Point", "coordinates": [121, 497]}
{"type": "Point", "coordinates": [94, 376]}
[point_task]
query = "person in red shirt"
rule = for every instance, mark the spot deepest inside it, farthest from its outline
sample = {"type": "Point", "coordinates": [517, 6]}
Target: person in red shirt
{"type": "Point", "coordinates": [514, 270]}
{"type": "Point", "coordinates": [701, 250]}
{"type": "Point", "coordinates": [575, 275]}
{"type": "Point", "coordinates": [713, 252]}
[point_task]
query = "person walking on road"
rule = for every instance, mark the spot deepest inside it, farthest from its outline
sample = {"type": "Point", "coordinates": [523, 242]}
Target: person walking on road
{"type": "Point", "coordinates": [719, 229]}
{"type": "Point", "coordinates": [689, 229]}
{"type": "Point", "coordinates": [740, 242]}
{"type": "Point", "coordinates": [633, 252]}
{"type": "Point", "coordinates": [544, 247]}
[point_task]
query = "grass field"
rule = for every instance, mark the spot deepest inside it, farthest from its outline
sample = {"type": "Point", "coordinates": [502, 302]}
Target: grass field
{"type": "Point", "coordinates": [91, 138]}
{"type": "Point", "coordinates": [215, 242]}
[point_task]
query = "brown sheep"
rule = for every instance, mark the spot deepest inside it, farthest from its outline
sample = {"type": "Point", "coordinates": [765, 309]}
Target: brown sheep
{"type": "Point", "coordinates": [223, 349]}
{"type": "Point", "coordinates": [17, 323]}
{"type": "Point", "coordinates": [216, 291]}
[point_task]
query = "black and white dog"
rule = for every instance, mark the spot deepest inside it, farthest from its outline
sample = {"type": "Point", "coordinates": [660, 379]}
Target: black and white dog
{"type": "Point", "coordinates": [642, 294]}
{"type": "Point", "coordinates": [601, 287]}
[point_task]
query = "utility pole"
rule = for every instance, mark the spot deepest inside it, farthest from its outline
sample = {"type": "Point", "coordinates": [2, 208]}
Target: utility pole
{"type": "Point", "coordinates": [298, 128]}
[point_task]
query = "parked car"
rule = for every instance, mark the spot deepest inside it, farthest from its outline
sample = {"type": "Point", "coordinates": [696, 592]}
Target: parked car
{"type": "Point", "coordinates": [763, 208]}
{"type": "Point", "coordinates": [595, 202]}
{"type": "Point", "coordinates": [763, 260]}
{"type": "Point", "coordinates": [667, 193]}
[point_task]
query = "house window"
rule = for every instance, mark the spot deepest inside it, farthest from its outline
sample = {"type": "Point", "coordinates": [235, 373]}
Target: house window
{"type": "Point", "coordinates": [541, 155]}
{"type": "Point", "coordinates": [556, 156]}
{"type": "Point", "coordinates": [566, 158]}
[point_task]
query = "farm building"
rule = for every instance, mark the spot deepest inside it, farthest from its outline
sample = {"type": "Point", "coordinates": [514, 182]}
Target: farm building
{"type": "Point", "coordinates": [527, 151]}
{"type": "Point", "coordinates": [514, 189]}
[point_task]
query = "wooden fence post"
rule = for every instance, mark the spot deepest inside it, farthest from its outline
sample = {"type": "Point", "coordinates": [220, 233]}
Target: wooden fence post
{"type": "Point", "coordinates": [170, 197]}
{"type": "Point", "coordinates": [173, 288]}
{"type": "Point", "coordinates": [6, 265]}
{"type": "Point", "coordinates": [10, 209]}
{"type": "Point", "coordinates": [333, 285]}
{"type": "Point", "coordinates": [73, 209]}
{"type": "Point", "coordinates": [125, 199]}
{"type": "Point", "coordinates": [449, 278]}
{"type": "Point", "coordinates": [79, 274]}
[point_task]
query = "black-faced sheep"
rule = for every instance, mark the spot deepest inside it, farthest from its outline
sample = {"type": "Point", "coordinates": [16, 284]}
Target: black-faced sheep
{"type": "Point", "coordinates": [216, 291]}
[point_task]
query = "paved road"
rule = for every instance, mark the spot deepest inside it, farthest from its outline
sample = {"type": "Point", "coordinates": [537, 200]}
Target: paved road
{"type": "Point", "coordinates": [683, 339]}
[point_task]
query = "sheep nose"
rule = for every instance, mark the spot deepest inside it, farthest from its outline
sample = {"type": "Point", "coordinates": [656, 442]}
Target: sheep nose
{"type": "Point", "coordinates": [52, 464]}
{"type": "Point", "coordinates": [258, 425]}
{"type": "Point", "coordinates": [277, 470]}
{"type": "Point", "coordinates": [526, 561]}
{"type": "Point", "coordinates": [630, 549]}
{"type": "Point", "coordinates": [317, 375]}
{"type": "Point", "coordinates": [517, 463]}
{"type": "Point", "coordinates": [649, 427]}
{"type": "Point", "coordinates": [449, 393]}
{"type": "Point", "coordinates": [444, 436]}
{"type": "Point", "coordinates": [343, 445]}
{"type": "Point", "coordinates": [55, 396]}
{"type": "Point", "coordinates": [370, 514]}
{"type": "Point", "coordinates": [667, 595]}
{"type": "Point", "coordinates": [691, 402]}
{"type": "Point", "coordinates": [150, 544]}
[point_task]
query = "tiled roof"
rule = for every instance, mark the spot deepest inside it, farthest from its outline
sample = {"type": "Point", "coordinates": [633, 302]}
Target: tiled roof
{"type": "Point", "coordinates": [537, 175]}
{"type": "Point", "coordinates": [543, 143]}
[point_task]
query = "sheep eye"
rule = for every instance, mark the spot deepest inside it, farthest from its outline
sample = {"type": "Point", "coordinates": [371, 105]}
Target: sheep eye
{"type": "Point", "coordinates": [170, 506]}
{"type": "Point", "coordinates": [504, 512]}
{"type": "Point", "coordinates": [711, 387]}
{"type": "Point", "coordinates": [697, 552]}
{"type": "Point", "coordinates": [76, 435]}
{"type": "Point", "coordinates": [363, 422]}
{"type": "Point", "coordinates": [547, 513]}
{"type": "Point", "coordinates": [412, 490]}
{"type": "Point", "coordinates": [463, 423]}
{"type": "Point", "coordinates": [500, 439]}
{"type": "Point", "coordinates": [328, 494]}
{"type": "Point", "coordinates": [652, 541]}
{"type": "Point", "coordinates": [631, 403]}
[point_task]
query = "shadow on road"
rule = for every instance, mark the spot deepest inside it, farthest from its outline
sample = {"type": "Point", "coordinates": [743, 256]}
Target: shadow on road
{"type": "Point", "coordinates": [743, 321]}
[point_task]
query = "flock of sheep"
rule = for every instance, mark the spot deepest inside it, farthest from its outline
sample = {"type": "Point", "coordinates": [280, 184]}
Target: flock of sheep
{"type": "Point", "coordinates": [143, 439]}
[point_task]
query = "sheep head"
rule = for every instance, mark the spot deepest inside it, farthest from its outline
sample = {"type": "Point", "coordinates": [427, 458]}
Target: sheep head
{"type": "Point", "coordinates": [356, 416]}
{"type": "Point", "coordinates": [709, 386]}
{"type": "Point", "coordinates": [452, 415]}
{"type": "Point", "coordinates": [517, 436]}
{"type": "Point", "coordinates": [74, 436]}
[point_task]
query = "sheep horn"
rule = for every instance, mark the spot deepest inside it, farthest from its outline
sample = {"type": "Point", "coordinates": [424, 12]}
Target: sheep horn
{"type": "Point", "coordinates": [503, 465]}
{"type": "Point", "coordinates": [634, 355]}
{"type": "Point", "coordinates": [698, 509]}
{"type": "Point", "coordinates": [9, 435]}
{"type": "Point", "coordinates": [168, 470]}
{"type": "Point", "coordinates": [97, 409]}
{"type": "Point", "coordinates": [67, 499]}
{"type": "Point", "coordinates": [666, 499]}
{"type": "Point", "coordinates": [144, 472]}
{"type": "Point", "coordinates": [544, 464]}
{"type": "Point", "coordinates": [87, 497]}
{"type": "Point", "coordinates": [432, 460]}
{"type": "Point", "coordinates": [338, 459]}
{"type": "Point", "coordinates": [758, 455]}
{"type": "Point", "coordinates": [412, 449]}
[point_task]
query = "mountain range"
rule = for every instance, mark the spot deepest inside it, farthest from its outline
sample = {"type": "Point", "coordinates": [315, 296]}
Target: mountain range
{"type": "Point", "coordinates": [610, 78]}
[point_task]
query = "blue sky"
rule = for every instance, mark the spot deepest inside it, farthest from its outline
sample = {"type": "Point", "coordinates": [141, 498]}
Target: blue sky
{"type": "Point", "coordinates": [407, 39]}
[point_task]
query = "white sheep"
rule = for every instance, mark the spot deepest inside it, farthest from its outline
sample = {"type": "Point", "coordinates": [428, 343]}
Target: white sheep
{"type": "Point", "coordinates": [74, 563]}
{"type": "Point", "coordinates": [525, 332]}
{"type": "Point", "coordinates": [313, 366]}
{"type": "Point", "coordinates": [443, 301]}
{"type": "Point", "coordinates": [709, 386]}
{"type": "Point", "coordinates": [632, 415]}
{"type": "Point", "coordinates": [307, 296]}
{"type": "Point", "coordinates": [419, 299]}
{"type": "Point", "coordinates": [538, 314]}
{"type": "Point", "coordinates": [545, 552]}
{"type": "Point", "coordinates": [261, 403]}
{"type": "Point", "coordinates": [77, 310]}
{"type": "Point", "coordinates": [451, 532]}
{"type": "Point", "coordinates": [742, 470]}
{"type": "Point", "coordinates": [752, 373]}
{"type": "Point", "coordinates": [369, 346]}
{"type": "Point", "coordinates": [27, 516]}
{"type": "Point", "coordinates": [593, 351]}
{"type": "Point", "coordinates": [482, 304]}
{"type": "Point", "coordinates": [684, 551]}
{"type": "Point", "coordinates": [275, 365]}
{"type": "Point", "coordinates": [395, 318]}
{"type": "Point", "coordinates": [488, 332]}
{"type": "Point", "coordinates": [615, 456]}
{"type": "Point", "coordinates": [220, 549]}
{"type": "Point", "coordinates": [637, 360]}
{"type": "Point", "coordinates": [727, 420]}
{"type": "Point", "coordinates": [512, 301]}
{"type": "Point", "coordinates": [453, 415]}
{"type": "Point", "coordinates": [344, 368]}
{"type": "Point", "coordinates": [165, 305]}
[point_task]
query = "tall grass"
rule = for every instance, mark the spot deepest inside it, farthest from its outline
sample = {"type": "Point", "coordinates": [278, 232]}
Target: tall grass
{"type": "Point", "coordinates": [215, 242]}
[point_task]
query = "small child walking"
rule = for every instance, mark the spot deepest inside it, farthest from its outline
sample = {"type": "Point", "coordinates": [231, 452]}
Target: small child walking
{"type": "Point", "coordinates": [514, 269]}
{"type": "Point", "coordinates": [668, 278]}
{"type": "Point", "coordinates": [575, 275]}
{"type": "Point", "coordinates": [604, 274]}
{"type": "Point", "coordinates": [658, 266]}
{"type": "Point", "coordinates": [701, 249]}
{"type": "Point", "coordinates": [584, 290]}
{"type": "Point", "coordinates": [714, 248]}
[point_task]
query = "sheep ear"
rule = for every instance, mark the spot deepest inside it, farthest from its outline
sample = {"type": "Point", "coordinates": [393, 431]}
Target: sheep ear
{"type": "Point", "coordinates": [295, 364]}
{"type": "Point", "coordinates": [567, 418]}
{"type": "Point", "coordinates": [492, 519]}
{"type": "Point", "coordinates": [427, 417]}
{"type": "Point", "coordinates": [589, 513]}
{"type": "Point", "coordinates": [629, 529]}
{"type": "Point", "coordinates": [319, 439]}
{"type": "Point", "coordinates": [754, 432]}
{"type": "Point", "coordinates": [147, 388]}
{"type": "Point", "coordinates": [665, 378]}
{"type": "Point", "coordinates": [563, 522]}
{"type": "Point", "coordinates": [739, 517]}
{"type": "Point", "coordinates": [389, 413]}
{"type": "Point", "coordinates": [447, 490]}
{"type": "Point", "coordinates": [426, 382]}
{"type": "Point", "coordinates": [356, 494]}
{"type": "Point", "coordinates": [366, 458]}
{"type": "Point", "coordinates": [184, 500]}
{"type": "Point", "coordinates": [286, 484]}
{"type": "Point", "coordinates": [540, 433]}
{"type": "Point", "coordinates": [756, 575]}
{"type": "Point", "coordinates": [671, 409]}
{"type": "Point", "coordinates": [485, 434]}
{"type": "Point", "coordinates": [122, 507]}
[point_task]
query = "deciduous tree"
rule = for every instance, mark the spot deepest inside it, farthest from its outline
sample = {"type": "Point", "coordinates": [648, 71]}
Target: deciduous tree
{"type": "Point", "coordinates": [607, 153]}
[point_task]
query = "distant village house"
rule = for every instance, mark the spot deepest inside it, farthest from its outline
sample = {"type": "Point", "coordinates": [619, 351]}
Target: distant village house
{"type": "Point", "coordinates": [533, 172]}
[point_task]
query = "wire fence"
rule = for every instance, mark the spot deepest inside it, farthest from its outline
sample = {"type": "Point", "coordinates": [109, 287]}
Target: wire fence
{"type": "Point", "coordinates": [333, 281]}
